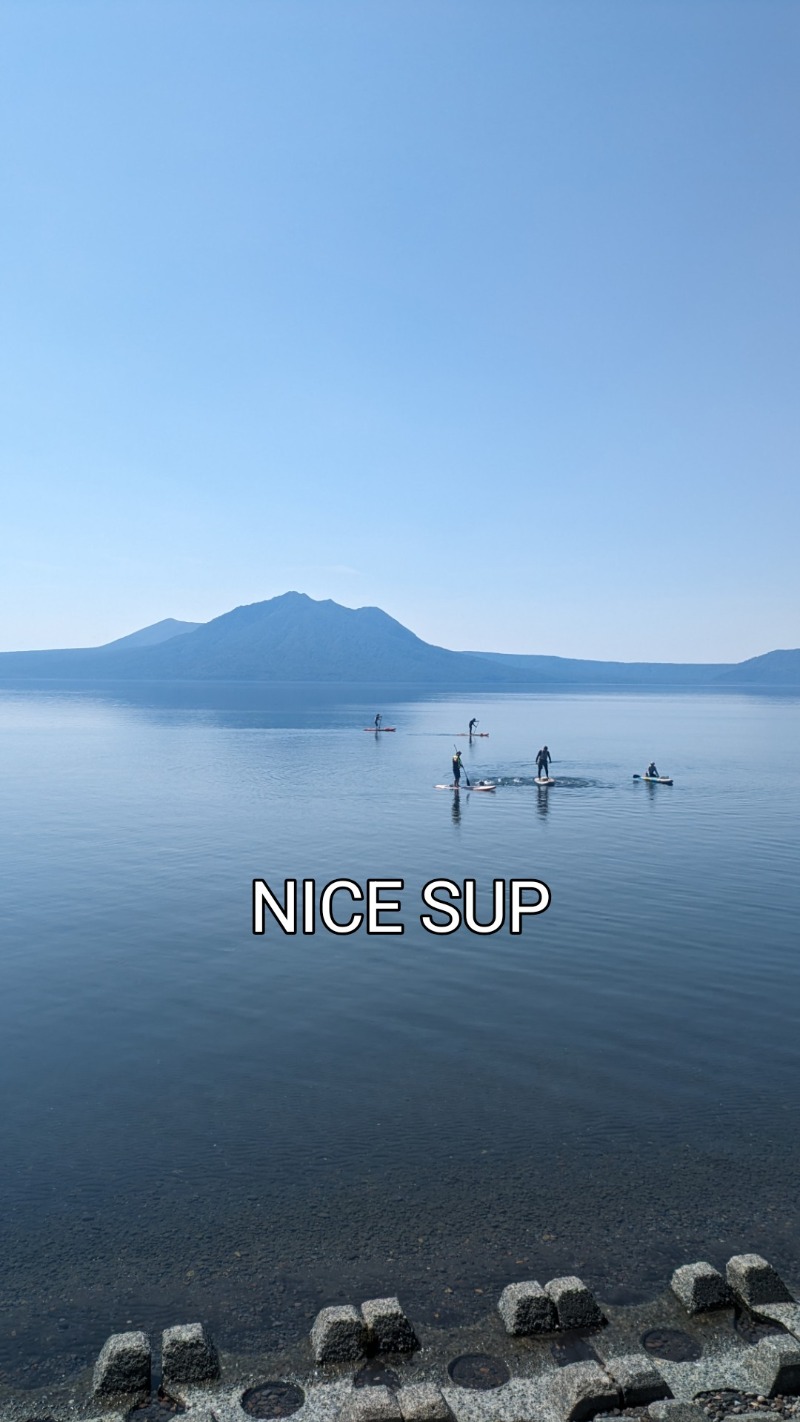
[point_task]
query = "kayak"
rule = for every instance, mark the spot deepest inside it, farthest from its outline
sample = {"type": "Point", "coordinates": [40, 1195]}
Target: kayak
{"type": "Point", "coordinates": [465, 787]}
{"type": "Point", "coordinates": [655, 779]}
{"type": "Point", "coordinates": [543, 780]}
{"type": "Point", "coordinates": [376, 730]}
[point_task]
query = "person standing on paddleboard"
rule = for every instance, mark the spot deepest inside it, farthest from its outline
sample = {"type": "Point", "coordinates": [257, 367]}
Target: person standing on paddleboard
{"type": "Point", "coordinates": [378, 720]}
{"type": "Point", "coordinates": [457, 769]}
{"type": "Point", "coordinates": [473, 723]}
{"type": "Point", "coordinates": [543, 763]}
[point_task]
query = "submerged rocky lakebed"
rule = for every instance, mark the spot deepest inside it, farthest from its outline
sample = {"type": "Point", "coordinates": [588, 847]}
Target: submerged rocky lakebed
{"type": "Point", "coordinates": [203, 1124]}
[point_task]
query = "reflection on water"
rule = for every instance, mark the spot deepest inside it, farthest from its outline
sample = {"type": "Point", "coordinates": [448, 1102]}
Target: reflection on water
{"type": "Point", "coordinates": [197, 1122]}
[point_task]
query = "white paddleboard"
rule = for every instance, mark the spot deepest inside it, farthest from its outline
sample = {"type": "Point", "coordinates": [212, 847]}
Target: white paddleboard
{"type": "Point", "coordinates": [465, 787]}
{"type": "Point", "coordinates": [544, 780]}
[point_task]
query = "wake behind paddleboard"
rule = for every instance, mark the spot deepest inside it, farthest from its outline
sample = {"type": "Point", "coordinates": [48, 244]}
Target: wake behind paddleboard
{"type": "Point", "coordinates": [376, 730]}
{"type": "Point", "coordinates": [543, 780]}
{"type": "Point", "coordinates": [465, 787]}
{"type": "Point", "coordinates": [655, 779]}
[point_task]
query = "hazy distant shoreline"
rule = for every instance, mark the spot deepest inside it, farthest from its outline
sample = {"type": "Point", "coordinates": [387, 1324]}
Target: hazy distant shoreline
{"type": "Point", "coordinates": [294, 639]}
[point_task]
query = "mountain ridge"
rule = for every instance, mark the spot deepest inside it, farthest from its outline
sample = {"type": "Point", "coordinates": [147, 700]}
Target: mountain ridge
{"type": "Point", "coordinates": [293, 637]}
{"type": "Point", "coordinates": [150, 636]}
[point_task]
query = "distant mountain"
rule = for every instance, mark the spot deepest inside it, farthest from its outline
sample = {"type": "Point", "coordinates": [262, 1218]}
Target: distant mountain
{"type": "Point", "coordinates": [293, 638]}
{"type": "Point", "coordinates": [152, 635]}
{"type": "Point", "coordinates": [288, 638]}
{"type": "Point", "coordinates": [578, 672]}
{"type": "Point", "coordinates": [771, 669]}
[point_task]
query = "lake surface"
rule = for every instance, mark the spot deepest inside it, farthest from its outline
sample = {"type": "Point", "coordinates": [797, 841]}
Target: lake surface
{"type": "Point", "coordinates": [197, 1122]}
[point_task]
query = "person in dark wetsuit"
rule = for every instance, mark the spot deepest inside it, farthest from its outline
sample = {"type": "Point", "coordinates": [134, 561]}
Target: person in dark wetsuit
{"type": "Point", "coordinates": [652, 770]}
{"type": "Point", "coordinates": [457, 769]}
{"type": "Point", "coordinates": [543, 763]}
{"type": "Point", "coordinates": [473, 723]}
{"type": "Point", "coordinates": [378, 720]}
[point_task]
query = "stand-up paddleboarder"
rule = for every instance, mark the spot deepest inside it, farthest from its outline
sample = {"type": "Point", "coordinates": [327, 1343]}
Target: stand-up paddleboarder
{"type": "Point", "coordinates": [543, 763]}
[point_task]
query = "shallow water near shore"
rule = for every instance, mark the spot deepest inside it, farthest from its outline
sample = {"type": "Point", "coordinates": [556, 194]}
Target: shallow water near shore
{"type": "Point", "coordinates": [200, 1123]}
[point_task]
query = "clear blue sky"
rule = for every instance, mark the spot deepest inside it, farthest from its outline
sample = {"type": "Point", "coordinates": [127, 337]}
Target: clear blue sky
{"type": "Point", "coordinates": [485, 313]}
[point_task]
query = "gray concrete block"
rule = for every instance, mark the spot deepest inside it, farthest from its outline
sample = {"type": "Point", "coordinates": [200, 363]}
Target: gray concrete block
{"type": "Point", "coordinates": [388, 1328]}
{"type": "Point", "coordinates": [422, 1402]}
{"type": "Point", "coordinates": [576, 1305]}
{"type": "Point", "coordinates": [773, 1366]}
{"type": "Point", "coordinates": [754, 1281]}
{"type": "Point", "coordinates": [371, 1404]}
{"type": "Point", "coordinates": [637, 1379]}
{"type": "Point", "coordinates": [785, 1314]}
{"type": "Point", "coordinates": [338, 1335]}
{"type": "Point", "coordinates": [123, 1366]}
{"type": "Point", "coordinates": [580, 1390]}
{"type": "Point", "coordinates": [188, 1355]}
{"type": "Point", "coordinates": [700, 1287]}
{"type": "Point", "coordinates": [527, 1308]}
{"type": "Point", "coordinates": [672, 1411]}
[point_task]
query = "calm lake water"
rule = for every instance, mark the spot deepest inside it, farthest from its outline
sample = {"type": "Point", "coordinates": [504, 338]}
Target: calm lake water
{"type": "Point", "coordinates": [200, 1123]}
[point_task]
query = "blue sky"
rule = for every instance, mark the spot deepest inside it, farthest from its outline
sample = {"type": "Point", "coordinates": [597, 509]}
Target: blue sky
{"type": "Point", "coordinates": [484, 313]}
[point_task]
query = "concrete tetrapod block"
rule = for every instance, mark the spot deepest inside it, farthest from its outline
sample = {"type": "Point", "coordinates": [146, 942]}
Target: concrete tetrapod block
{"type": "Point", "coordinates": [389, 1331]}
{"type": "Point", "coordinates": [338, 1335]}
{"type": "Point", "coordinates": [576, 1305]}
{"type": "Point", "coordinates": [754, 1281]}
{"type": "Point", "coordinates": [580, 1390]}
{"type": "Point", "coordinates": [527, 1308]}
{"type": "Point", "coordinates": [123, 1366]}
{"type": "Point", "coordinates": [422, 1402]}
{"type": "Point", "coordinates": [773, 1366]}
{"type": "Point", "coordinates": [676, 1412]}
{"type": "Point", "coordinates": [188, 1355]}
{"type": "Point", "coordinates": [637, 1379]}
{"type": "Point", "coordinates": [785, 1314]}
{"type": "Point", "coordinates": [700, 1287]}
{"type": "Point", "coordinates": [371, 1404]}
